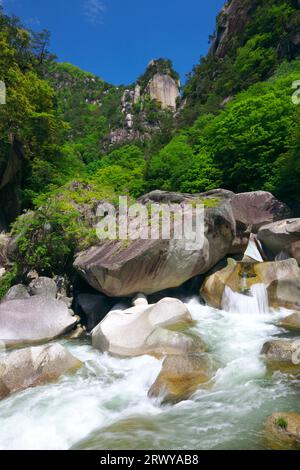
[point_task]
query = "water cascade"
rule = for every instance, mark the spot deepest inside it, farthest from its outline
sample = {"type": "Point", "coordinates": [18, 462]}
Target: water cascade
{"type": "Point", "coordinates": [255, 301]}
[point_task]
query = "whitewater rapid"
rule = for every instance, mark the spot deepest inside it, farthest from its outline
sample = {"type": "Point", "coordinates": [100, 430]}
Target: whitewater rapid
{"type": "Point", "coordinates": [105, 404]}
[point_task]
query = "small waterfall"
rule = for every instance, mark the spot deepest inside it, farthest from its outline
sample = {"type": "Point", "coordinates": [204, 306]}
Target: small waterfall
{"type": "Point", "coordinates": [256, 301]}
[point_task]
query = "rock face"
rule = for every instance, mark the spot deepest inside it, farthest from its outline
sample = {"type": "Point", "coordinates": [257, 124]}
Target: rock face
{"type": "Point", "coordinates": [164, 89]}
{"type": "Point", "coordinates": [240, 277]}
{"type": "Point", "coordinates": [123, 269]}
{"type": "Point", "coordinates": [283, 355]}
{"type": "Point", "coordinates": [282, 237]}
{"type": "Point", "coordinates": [34, 320]}
{"type": "Point", "coordinates": [252, 211]}
{"type": "Point", "coordinates": [4, 241]}
{"type": "Point", "coordinates": [291, 322]}
{"type": "Point", "coordinates": [93, 308]}
{"type": "Point", "coordinates": [282, 431]}
{"type": "Point", "coordinates": [143, 330]}
{"type": "Point", "coordinates": [31, 367]}
{"type": "Point", "coordinates": [180, 377]}
{"type": "Point", "coordinates": [231, 22]}
{"type": "Point", "coordinates": [285, 293]}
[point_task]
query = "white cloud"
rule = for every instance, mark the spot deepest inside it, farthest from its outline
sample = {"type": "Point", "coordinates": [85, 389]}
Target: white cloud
{"type": "Point", "coordinates": [94, 10]}
{"type": "Point", "coordinates": [33, 21]}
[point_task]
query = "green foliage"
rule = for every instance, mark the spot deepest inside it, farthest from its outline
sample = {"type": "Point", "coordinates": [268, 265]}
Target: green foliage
{"type": "Point", "coordinates": [254, 62]}
{"type": "Point", "coordinates": [7, 281]}
{"type": "Point", "coordinates": [63, 221]}
{"type": "Point", "coordinates": [166, 169]}
{"type": "Point", "coordinates": [246, 139]}
{"type": "Point", "coordinates": [281, 422]}
{"type": "Point", "coordinates": [202, 176]}
{"type": "Point", "coordinates": [30, 130]}
{"type": "Point", "coordinates": [251, 56]}
{"type": "Point", "coordinates": [123, 170]}
{"type": "Point", "coordinates": [252, 144]}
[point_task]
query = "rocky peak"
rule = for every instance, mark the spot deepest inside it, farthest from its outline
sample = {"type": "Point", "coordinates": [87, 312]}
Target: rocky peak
{"type": "Point", "coordinates": [165, 90]}
{"type": "Point", "coordinates": [231, 22]}
{"type": "Point", "coordinates": [161, 83]}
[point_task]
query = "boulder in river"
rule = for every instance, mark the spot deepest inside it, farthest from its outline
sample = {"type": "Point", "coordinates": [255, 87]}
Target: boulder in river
{"type": "Point", "coordinates": [143, 329]}
{"type": "Point", "coordinates": [283, 355]}
{"type": "Point", "coordinates": [282, 238]}
{"type": "Point", "coordinates": [291, 322]}
{"type": "Point", "coordinates": [253, 210]}
{"type": "Point", "coordinates": [118, 268]}
{"type": "Point", "coordinates": [180, 377]}
{"type": "Point", "coordinates": [282, 431]}
{"type": "Point", "coordinates": [34, 320]}
{"type": "Point", "coordinates": [34, 366]}
{"type": "Point", "coordinates": [285, 293]}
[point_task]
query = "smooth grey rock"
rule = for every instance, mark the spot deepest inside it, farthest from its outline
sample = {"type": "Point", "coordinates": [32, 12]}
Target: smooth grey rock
{"type": "Point", "coordinates": [34, 320]}
{"type": "Point", "coordinates": [19, 291]}
{"type": "Point", "coordinates": [34, 366]}
{"type": "Point", "coordinates": [143, 330]}
{"type": "Point", "coordinates": [44, 286]}
{"type": "Point", "coordinates": [282, 237]}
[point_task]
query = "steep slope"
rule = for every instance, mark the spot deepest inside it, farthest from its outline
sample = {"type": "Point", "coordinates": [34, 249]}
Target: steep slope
{"type": "Point", "coordinates": [114, 115]}
{"type": "Point", "coordinates": [252, 38]}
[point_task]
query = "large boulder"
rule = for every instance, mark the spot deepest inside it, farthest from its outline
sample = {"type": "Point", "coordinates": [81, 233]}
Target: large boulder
{"type": "Point", "coordinates": [118, 268]}
{"type": "Point", "coordinates": [285, 293]}
{"type": "Point", "coordinates": [282, 238]}
{"type": "Point", "coordinates": [34, 366]}
{"type": "Point", "coordinates": [180, 377]}
{"type": "Point", "coordinates": [241, 277]}
{"type": "Point", "coordinates": [282, 431]}
{"type": "Point", "coordinates": [252, 211]}
{"type": "Point", "coordinates": [143, 329]}
{"type": "Point", "coordinates": [34, 320]}
{"type": "Point", "coordinates": [291, 322]}
{"type": "Point", "coordinates": [283, 355]}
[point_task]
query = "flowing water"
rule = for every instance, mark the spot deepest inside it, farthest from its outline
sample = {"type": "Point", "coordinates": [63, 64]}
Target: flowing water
{"type": "Point", "coordinates": [105, 404]}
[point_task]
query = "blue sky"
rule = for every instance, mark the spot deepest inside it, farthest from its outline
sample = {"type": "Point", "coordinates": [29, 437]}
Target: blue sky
{"type": "Point", "coordinates": [116, 39]}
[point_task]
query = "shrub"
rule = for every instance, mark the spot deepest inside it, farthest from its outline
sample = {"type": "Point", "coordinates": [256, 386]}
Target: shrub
{"type": "Point", "coordinates": [62, 224]}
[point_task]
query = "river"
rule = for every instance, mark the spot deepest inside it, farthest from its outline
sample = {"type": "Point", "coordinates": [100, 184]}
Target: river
{"type": "Point", "coordinates": [105, 404]}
